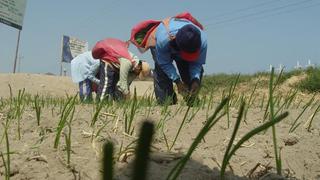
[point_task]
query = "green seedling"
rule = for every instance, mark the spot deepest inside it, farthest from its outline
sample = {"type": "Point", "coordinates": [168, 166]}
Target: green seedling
{"type": "Point", "coordinates": [11, 96]}
{"type": "Point", "coordinates": [67, 112]}
{"type": "Point", "coordinates": [203, 101]}
{"type": "Point", "coordinates": [235, 100]}
{"type": "Point", "coordinates": [181, 125]}
{"type": "Point", "coordinates": [245, 138]}
{"type": "Point", "coordinates": [273, 89]}
{"type": "Point", "coordinates": [299, 102]}
{"type": "Point", "coordinates": [161, 123]}
{"type": "Point", "coordinates": [291, 98]}
{"type": "Point", "coordinates": [68, 137]}
{"type": "Point", "coordinates": [315, 105]}
{"type": "Point", "coordinates": [210, 105]}
{"type": "Point", "coordinates": [223, 94]}
{"type": "Point", "coordinates": [68, 140]}
{"type": "Point", "coordinates": [211, 100]}
{"type": "Point", "coordinates": [286, 102]}
{"type": "Point", "coordinates": [166, 140]}
{"type": "Point", "coordinates": [5, 166]}
{"type": "Point", "coordinates": [126, 149]}
{"type": "Point", "coordinates": [97, 111]}
{"type": "Point", "coordinates": [150, 105]}
{"type": "Point", "coordinates": [8, 161]}
{"type": "Point", "coordinates": [277, 100]}
{"type": "Point", "coordinates": [230, 95]}
{"type": "Point", "coordinates": [19, 108]}
{"type": "Point", "coordinates": [272, 117]}
{"type": "Point", "coordinates": [2, 103]}
{"type": "Point", "coordinates": [129, 119]}
{"type": "Point", "coordinates": [165, 114]}
{"type": "Point", "coordinates": [37, 108]}
{"type": "Point", "coordinates": [179, 110]}
{"type": "Point", "coordinates": [312, 117]}
{"type": "Point", "coordinates": [294, 125]}
{"type": "Point", "coordinates": [236, 127]}
{"type": "Point", "coordinates": [100, 129]}
{"type": "Point", "coordinates": [193, 114]}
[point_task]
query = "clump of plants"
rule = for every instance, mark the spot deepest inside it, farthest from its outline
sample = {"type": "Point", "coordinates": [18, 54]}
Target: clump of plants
{"type": "Point", "coordinates": [312, 81]}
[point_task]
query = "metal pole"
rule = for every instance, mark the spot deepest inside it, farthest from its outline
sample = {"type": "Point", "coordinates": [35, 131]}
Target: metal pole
{"type": "Point", "coordinates": [61, 63]}
{"type": "Point", "coordinates": [17, 50]}
{"type": "Point", "coordinates": [61, 68]}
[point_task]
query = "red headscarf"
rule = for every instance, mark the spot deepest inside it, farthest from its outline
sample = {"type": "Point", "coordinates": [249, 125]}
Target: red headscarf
{"type": "Point", "coordinates": [110, 50]}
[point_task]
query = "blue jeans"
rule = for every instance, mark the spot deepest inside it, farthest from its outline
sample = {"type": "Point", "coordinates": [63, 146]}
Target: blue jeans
{"type": "Point", "coordinates": [163, 85]}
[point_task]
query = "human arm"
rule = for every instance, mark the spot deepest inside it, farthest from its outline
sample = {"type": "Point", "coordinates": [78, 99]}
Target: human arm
{"type": "Point", "coordinates": [125, 68]}
{"type": "Point", "coordinates": [164, 60]}
{"type": "Point", "coordinates": [93, 70]}
{"type": "Point", "coordinates": [196, 70]}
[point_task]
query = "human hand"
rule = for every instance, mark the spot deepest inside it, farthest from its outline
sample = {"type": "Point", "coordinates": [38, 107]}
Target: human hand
{"type": "Point", "coordinates": [182, 88]}
{"type": "Point", "coordinates": [195, 87]}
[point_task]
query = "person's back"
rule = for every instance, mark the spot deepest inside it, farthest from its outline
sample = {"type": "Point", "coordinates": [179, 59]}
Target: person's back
{"type": "Point", "coordinates": [163, 40]}
{"type": "Point", "coordinates": [118, 68]}
{"type": "Point", "coordinates": [83, 71]}
{"type": "Point", "coordinates": [83, 66]}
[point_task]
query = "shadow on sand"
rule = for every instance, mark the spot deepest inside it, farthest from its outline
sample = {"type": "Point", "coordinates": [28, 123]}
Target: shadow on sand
{"type": "Point", "coordinates": [160, 170]}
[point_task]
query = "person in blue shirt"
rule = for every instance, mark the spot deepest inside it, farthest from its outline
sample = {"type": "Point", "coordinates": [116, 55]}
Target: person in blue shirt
{"type": "Point", "coordinates": [84, 69]}
{"type": "Point", "coordinates": [184, 43]}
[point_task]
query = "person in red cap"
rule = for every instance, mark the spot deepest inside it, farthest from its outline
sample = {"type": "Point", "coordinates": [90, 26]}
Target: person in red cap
{"type": "Point", "coordinates": [184, 43]}
{"type": "Point", "coordinates": [118, 68]}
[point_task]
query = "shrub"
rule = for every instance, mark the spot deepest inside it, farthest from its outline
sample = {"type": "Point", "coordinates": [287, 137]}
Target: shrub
{"type": "Point", "coordinates": [312, 81]}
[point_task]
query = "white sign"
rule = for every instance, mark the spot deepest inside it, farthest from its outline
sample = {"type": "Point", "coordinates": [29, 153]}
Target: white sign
{"type": "Point", "coordinates": [72, 47]}
{"type": "Point", "coordinates": [12, 12]}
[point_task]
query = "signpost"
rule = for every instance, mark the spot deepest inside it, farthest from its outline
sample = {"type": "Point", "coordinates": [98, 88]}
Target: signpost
{"type": "Point", "coordinates": [17, 51]}
{"type": "Point", "coordinates": [71, 47]}
{"type": "Point", "coordinates": [11, 14]}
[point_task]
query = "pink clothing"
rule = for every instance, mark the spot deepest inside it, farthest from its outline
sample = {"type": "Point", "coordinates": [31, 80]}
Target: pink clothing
{"type": "Point", "coordinates": [110, 50]}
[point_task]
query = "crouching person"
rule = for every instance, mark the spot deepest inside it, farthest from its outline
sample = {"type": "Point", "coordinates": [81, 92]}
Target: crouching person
{"type": "Point", "coordinates": [178, 39]}
{"type": "Point", "coordinates": [119, 67]}
{"type": "Point", "coordinates": [84, 69]}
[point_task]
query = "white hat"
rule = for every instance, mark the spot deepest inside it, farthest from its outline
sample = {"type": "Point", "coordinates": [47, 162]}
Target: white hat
{"type": "Point", "coordinates": [145, 72]}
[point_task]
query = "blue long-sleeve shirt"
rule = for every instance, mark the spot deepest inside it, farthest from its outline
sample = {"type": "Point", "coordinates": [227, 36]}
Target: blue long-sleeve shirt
{"type": "Point", "coordinates": [165, 54]}
{"type": "Point", "coordinates": [84, 67]}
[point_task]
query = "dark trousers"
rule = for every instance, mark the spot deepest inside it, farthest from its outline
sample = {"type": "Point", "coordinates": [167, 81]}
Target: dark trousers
{"type": "Point", "coordinates": [109, 77]}
{"type": "Point", "coordinates": [163, 85]}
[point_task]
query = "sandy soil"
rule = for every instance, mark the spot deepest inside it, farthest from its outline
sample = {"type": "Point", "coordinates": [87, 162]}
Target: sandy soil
{"type": "Point", "coordinates": [53, 85]}
{"type": "Point", "coordinates": [33, 157]}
